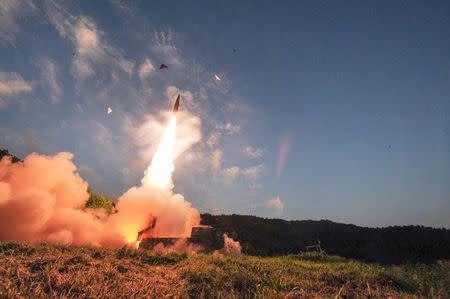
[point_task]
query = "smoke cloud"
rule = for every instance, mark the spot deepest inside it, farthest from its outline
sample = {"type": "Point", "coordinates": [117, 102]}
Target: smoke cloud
{"type": "Point", "coordinates": [41, 199]}
{"type": "Point", "coordinates": [230, 247]}
{"type": "Point", "coordinates": [174, 216]}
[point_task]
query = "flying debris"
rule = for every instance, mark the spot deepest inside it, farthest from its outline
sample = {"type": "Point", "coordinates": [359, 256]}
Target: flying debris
{"type": "Point", "coordinates": [163, 66]}
{"type": "Point", "coordinates": [177, 103]}
{"type": "Point", "coordinates": [234, 50]}
{"type": "Point", "coordinates": [109, 110]}
{"type": "Point", "coordinates": [217, 77]}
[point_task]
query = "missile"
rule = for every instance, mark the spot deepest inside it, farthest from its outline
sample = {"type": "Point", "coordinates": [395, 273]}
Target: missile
{"type": "Point", "coordinates": [177, 103]}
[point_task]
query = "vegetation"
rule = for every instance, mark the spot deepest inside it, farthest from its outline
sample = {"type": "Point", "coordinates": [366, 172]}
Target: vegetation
{"type": "Point", "coordinates": [397, 244]}
{"type": "Point", "coordinates": [5, 153]}
{"type": "Point", "coordinates": [98, 201]}
{"type": "Point", "coordinates": [42, 271]}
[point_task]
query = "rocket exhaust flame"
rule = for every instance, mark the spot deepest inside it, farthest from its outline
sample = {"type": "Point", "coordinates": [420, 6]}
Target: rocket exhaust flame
{"type": "Point", "coordinates": [159, 173]}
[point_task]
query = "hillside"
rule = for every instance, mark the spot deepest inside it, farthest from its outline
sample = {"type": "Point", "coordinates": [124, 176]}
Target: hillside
{"type": "Point", "coordinates": [397, 244]}
{"type": "Point", "coordinates": [43, 271]}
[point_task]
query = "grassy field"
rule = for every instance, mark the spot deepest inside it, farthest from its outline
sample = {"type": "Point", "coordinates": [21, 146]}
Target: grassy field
{"type": "Point", "coordinates": [42, 271]}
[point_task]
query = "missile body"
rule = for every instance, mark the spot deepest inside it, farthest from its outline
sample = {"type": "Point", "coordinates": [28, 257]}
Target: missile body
{"type": "Point", "coordinates": [177, 103]}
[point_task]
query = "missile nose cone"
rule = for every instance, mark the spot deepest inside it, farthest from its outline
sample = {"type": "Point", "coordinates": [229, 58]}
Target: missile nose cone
{"type": "Point", "coordinates": [177, 103]}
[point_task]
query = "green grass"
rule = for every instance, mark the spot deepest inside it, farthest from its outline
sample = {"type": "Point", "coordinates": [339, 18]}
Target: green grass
{"type": "Point", "coordinates": [42, 271]}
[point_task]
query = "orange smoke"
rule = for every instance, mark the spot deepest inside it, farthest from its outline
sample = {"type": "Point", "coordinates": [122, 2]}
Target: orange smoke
{"type": "Point", "coordinates": [230, 247]}
{"type": "Point", "coordinates": [40, 200]}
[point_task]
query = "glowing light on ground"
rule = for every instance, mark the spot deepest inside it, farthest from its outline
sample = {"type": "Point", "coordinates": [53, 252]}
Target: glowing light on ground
{"type": "Point", "coordinates": [159, 173]}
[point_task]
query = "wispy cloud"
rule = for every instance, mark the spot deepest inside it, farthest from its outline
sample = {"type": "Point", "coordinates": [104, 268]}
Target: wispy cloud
{"type": "Point", "coordinates": [10, 13]}
{"type": "Point", "coordinates": [164, 47]}
{"type": "Point", "coordinates": [146, 69]}
{"type": "Point", "coordinates": [213, 140]}
{"type": "Point", "coordinates": [216, 157]}
{"type": "Point", "coordinates": [228, 128]}
{"type": "Point", "coordinates": [12, 84]}
{"type": "Point", "coordinates": [92, 55]}
{"type": "Point", "coordinates": [253, 172]}
{"type": "Point", "coordinates": [231, 172]}
{"type": "Point", "coordinates": [253, 153]}
{"type": "Point", "coordinates": [49, 74]}
{"type": "Point", "coordinates": [88, 47]}
{"type": "Point", "coordinates": [221, 129]}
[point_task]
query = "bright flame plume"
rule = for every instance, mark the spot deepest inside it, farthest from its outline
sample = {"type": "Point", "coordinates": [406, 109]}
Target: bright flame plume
{"type": "Point", "coordinates": [159, 173]}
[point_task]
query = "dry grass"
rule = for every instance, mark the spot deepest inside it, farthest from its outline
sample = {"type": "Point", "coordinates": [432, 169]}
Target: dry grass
{"type": "Point", "coordinates": [43, 271]}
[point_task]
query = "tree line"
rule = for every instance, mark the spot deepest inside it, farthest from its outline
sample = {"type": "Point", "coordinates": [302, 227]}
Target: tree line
{"type": "Point", "coordinates": [391, 245]}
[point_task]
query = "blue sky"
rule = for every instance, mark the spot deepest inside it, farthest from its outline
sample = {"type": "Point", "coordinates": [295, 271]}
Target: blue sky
{"type": "Point", "coordinates": [356, 94]}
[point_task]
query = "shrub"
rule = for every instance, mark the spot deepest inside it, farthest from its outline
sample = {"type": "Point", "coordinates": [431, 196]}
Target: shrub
{"type": "Point", "coordinates": [98, 201]}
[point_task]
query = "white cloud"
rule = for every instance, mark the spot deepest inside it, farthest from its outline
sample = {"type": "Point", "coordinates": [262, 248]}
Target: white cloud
{"type": "Point", "coordinates": [146, 69]}
{"type": "Point", "coordinates": [84, 35]}
{"type": "Point", "coordinates": [87, 37]}
{"type": "Point", "coordinates": [254, 172]}
{"type": "Point", "coordinates": [275, 203]}
{"type": "Point", "coordinates": [88, 47]}
{"type": "Point", "coordinates": [221, 129]}
{"type": "Point", "coordinates": [12, 84]}
{"type": "Point", "coordinates": [164, 46]}
{"type": "Point", "coordinates": [228, 128]}
{"type": "Point", "coordinates": [49, 74]}
{"type": "Point", "coordinates": [10, 13]}
{"type": "Point", "coordinates": [92, 54]}
{"type": "Point", "coordinates": [253, 152]}
{"type": "Point", "coordinates": [126, 65]}
{"type": "Point", "coordinates": [231, 172]}
{"type": "Point", "coordinates": [216, 157]}
{"type": "Point", "coordinates": [213, 140]}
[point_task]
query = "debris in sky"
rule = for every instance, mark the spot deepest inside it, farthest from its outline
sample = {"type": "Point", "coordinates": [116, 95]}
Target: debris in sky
{"type": "Point", "coordinates": [217, 77]}
{"type": "Point", "coordinates": [234, 50]}
{"type": "Point", "coordinates": [109, 110]}
{"type": "Point", "coordinates": [163, 66]}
